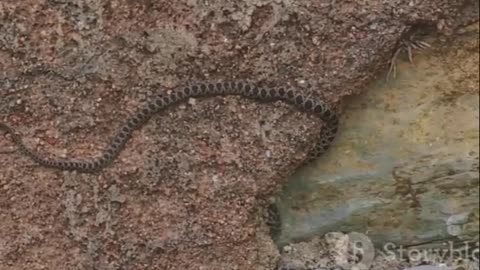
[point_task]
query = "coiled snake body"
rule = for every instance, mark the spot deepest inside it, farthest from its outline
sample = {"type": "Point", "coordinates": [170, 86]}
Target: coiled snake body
{"type": "Point", "coordinates": [200, 90]}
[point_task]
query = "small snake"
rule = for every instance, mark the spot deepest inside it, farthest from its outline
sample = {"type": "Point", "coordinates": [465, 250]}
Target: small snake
{"type": "Point", "coordinates": [199, 90]}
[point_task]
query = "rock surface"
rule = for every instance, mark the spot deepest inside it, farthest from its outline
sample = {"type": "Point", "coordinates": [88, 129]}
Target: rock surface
{"type": "Point", "coordinates": [405, 169]}
{"type": "Point", "coordinates": [355, 251]}
{"type": "Point", "coordinates": [187, 191]}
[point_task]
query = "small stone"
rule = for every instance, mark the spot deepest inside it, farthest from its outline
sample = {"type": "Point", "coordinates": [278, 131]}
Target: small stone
{"type": "Point", "coordinates": [287, 248]}
{"type": "Point", "coordinates": [115, 195]}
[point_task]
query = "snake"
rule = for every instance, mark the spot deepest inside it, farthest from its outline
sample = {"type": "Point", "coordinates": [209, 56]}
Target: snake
{"type": "Point", "coordinates": [302, 102]}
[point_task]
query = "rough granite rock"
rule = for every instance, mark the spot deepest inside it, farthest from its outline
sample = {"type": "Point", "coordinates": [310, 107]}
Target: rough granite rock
{"type": "Point", "coordinates": [188, 190]}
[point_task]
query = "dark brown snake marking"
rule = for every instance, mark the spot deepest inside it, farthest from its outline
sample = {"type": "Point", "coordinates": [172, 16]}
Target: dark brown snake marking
{"type": "Point", "coordinates": [200, 90]}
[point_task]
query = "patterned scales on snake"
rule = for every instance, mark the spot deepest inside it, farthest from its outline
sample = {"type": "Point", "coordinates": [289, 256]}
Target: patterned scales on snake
{"type": "Point", "coordinates": [199, 90]}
